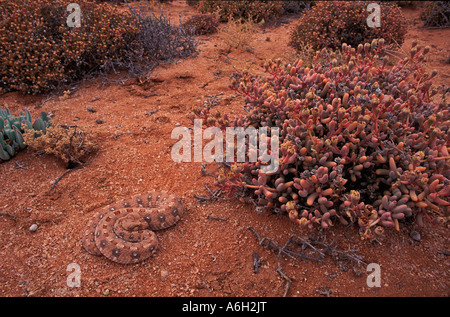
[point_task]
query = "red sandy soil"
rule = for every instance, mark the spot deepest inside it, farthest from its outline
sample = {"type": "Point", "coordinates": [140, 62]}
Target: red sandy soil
{"type": "Point", "coordinates": [210, 251]}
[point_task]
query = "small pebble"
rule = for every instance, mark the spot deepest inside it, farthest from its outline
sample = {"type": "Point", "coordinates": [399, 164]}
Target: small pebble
{"type": "Point", "coordinates": [415, 235]}
{"type": "Point", "coordinates": [90, 109]}
{"type": "Point", "coordinates": [99, 121]}
{"type": "Point", "coordinates": [33, 227]}
{"type": "Point", "coordinates": [177, 124]}
{"type": "Point", "coordinates": [164, 274]}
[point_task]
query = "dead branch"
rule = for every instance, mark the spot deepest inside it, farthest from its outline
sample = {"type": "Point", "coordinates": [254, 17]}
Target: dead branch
{"type": "Point", "coordinates": [8, 214]}
{"type": "Point", "coordinates": [216, 218]}
{"type": "Point", "coordinates": [68, 171]}
{"type": "Point", "coordinates": [310, 249]}
{"type": "Point", "coordinates": [256, 262]}
{"type": "Point", "coordinates": [213, 196]}
{"type": "Point", "coordinates": [285, 277]}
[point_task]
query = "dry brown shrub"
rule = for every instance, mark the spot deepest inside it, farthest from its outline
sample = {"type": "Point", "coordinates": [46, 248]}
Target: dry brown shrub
{"type": "Point", "coordinates": [238, 34]}
{"type": "Point", "coordinates": [71, 144]}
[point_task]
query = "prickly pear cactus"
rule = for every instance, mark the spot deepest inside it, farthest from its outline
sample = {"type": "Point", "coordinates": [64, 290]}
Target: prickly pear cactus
{"type": "Point", "coordinates": [12, 128]}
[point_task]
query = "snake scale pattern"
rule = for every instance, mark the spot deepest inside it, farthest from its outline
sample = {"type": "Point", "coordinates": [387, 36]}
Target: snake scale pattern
{"type": "Point", "coordinates": [123, 231]}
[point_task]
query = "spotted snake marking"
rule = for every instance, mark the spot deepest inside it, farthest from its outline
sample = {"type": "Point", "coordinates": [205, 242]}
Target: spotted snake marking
{"type": "Point", "coordinates": [123, 231]}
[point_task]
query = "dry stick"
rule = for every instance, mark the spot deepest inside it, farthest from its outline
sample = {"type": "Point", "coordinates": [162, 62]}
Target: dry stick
{"type": "Point", "coordinates": [282, 250]}
{"type": "Point", "coordinates": [68, 171]}
{"type": "Point", "coordinates": [284, 276]}
{"type": "Point", "coordinates": [313, 244]}
{"type": "Point", "coordinates": [8, 214]}
{"type": "Point", "coordinates": [213, 196]}
{"type": "Point", "coordinates": [256, 262]}
{"type": "Point", "coordinates": [216, 193]}
{"type": "Point", "coordinates": [269, 243]}
{"type": "Point", "coordinates": [205, 172]}
{"type": "Point", "coordinates": [45, 100]}
{"type": "Point", "coordinates": [304, 244]}
{"type": "Point", "coordinates": [20, 166]}
{"type": "Point", "coordinates": [338, 254]}
{"type": "Point", "coordinates": [116, 136]}
{"type": "Point", "coordinates": [216, 218]}
{"type": "Point", "coordinates": [326, 291]}
{"type": "Point", "coordinates": [151, 112]}
{"type": "Point", "coordinates": [266, 242]}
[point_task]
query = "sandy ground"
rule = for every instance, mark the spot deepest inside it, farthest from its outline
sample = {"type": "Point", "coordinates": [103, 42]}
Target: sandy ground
{"type": "Point", "coordinates": [210, 252]}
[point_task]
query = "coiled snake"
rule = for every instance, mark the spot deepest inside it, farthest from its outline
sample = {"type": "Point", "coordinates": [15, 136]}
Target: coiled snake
{"type": "Point", "coordinates": [123, 231]}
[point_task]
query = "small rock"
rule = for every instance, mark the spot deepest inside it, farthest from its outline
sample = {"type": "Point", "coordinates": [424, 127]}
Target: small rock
{"type": "Point", "coordinates": [415, 235]}
{"type": "Point", "coordinates": [33, 227]}
{"type": "Point", "coordinates": [99, 121]}
{"type": "Point", "coordinates": [164, 274]}
{"type": "Point", "coordinates": [177, 124]}
{"type": "Point", "coordinates": [90, 109]}
{"type": "Point", "coordinates": [151, 112]}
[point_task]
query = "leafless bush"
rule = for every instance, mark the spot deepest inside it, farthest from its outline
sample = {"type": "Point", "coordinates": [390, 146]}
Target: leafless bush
{"type": "Point", "coordinates": [157, 40]}
{"type": "Point", "coordinates": [436, 14]}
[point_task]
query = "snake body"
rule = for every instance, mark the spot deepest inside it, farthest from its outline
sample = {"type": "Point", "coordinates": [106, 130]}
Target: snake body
{"type": "Point", "coordinates": [123, 231]}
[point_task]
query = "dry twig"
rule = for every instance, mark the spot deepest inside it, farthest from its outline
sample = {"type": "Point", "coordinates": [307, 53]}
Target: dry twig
{"type": "Point", "coordinates": [68, 171]}
{"type": "Point", "coordinates": [311, 249]}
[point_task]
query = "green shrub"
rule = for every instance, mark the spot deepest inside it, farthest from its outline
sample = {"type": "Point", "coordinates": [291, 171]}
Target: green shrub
{"type": "Point", "coordinates": [13, 128]}
{"type": "Point", "coordinates": [332, 23]}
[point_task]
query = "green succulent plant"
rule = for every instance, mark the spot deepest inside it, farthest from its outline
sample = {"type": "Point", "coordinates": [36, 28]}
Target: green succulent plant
{"type": "Point", "coordinates": [12, 128]}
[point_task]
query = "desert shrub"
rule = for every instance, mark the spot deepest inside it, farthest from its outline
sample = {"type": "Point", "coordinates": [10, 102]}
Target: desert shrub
{"type": "Point", "coordinates": [38, 50]}
{"type": "Point", "coordinates": [202, 24]}
{"type": "Point", "coordinates": [436, 14]}
{"type": "Point", "coordinates": [359, 142]}
{"type": "Point", "coordinates": [296, 6]}
{"type": "Point", "coordinates": [332, 23]}
{"type": "Point", "coordinates": [255, 10]}
{"type": "Point", "coordinates": [156, 40]}
{"type": "Point", "coordinates": [238, 34]}
{"type": "Point", "coordinates": [71, 144]}
{"type": "Point", "coordinates": [283, 6]}
{"type": "Point", "coordinates": [130, 1]}
{"type": "Point", "coordinates": [404, 3]}
{"type": "Point", "coordinates": [192, 3]}
{"type": "Point", "coordinates": [114, 1]}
